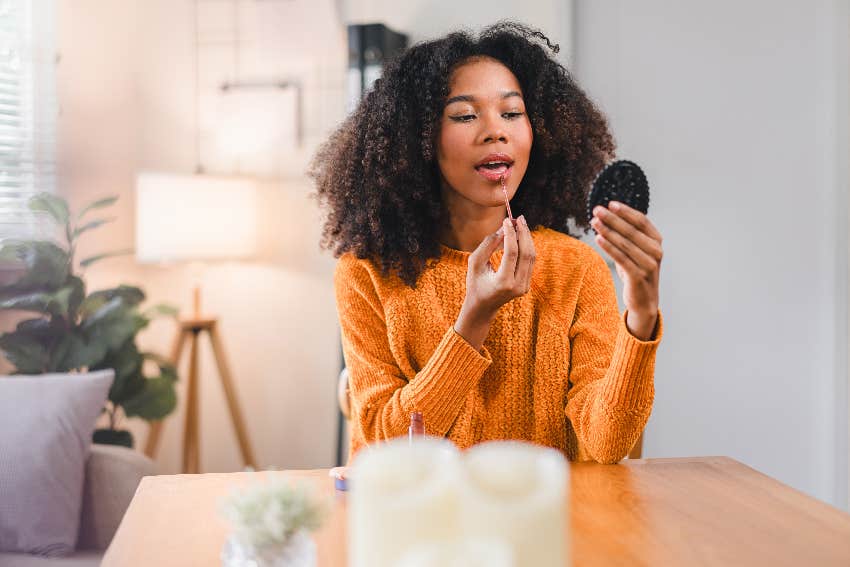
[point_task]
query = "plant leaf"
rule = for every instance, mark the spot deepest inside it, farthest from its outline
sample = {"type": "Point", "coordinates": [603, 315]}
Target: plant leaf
{"type": "Point", "coordinates": [41, 302]}
{"type": "Point", "coordinates": [90, 225]}
{"type": "Point", "coordinates": [46, 265]}
{"type": "Point", "coordinates": [74, 352]}
{"type": "Point", "coordinates": [78, 294]}
{"type": "Point", "coordinates": [100, 203]}
{"type": "Point", "coordinates": [41, 329]}
{"type": "Point", "coordinates": [127, 362]}
{"type": "Point", "coordinates": [113, 324]}
{"type": "Point", "coordinates": [161, 310]}
{"type": "Point", "coordinates": [155, 401]}
{"type": "Point", "coordinates": [51, 204]}
{"type": "Point", "coordinates": [105, 311]}
{"type": "Point", "coordinates": [85, 263]}
{"type": "Point", "coordinates": [38, 302]}
{"type": "Point", "coordinates": [130, 295]}
{"type": "Point", "coordinates": [169, 372]}
{"type": "Point", "coordinates": [61, 303]}
{"type": "Point", "coordinates": [26, 353]}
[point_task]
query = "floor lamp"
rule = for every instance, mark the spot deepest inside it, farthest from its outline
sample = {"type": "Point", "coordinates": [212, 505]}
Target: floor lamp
{"type": "Point", "coordinates": [191, 219]}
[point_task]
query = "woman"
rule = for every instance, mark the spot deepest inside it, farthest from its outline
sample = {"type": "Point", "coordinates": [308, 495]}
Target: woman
{"type": "Point", "coordinates": [491, 331]}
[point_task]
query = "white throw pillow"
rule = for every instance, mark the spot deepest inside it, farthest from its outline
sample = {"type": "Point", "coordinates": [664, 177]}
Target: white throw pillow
{"type": "Point", "coordinates": [46, 425]}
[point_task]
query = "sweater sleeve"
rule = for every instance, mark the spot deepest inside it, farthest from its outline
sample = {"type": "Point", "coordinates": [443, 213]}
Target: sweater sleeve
{"type": "Point", "coordinates": [382, 396]}
{"type": "Point", "coordinates": [611, 371]}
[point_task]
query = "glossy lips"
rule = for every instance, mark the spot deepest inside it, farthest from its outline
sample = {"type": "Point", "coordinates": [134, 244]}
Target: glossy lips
{"type": "Point", "coordinates": [495, 167]}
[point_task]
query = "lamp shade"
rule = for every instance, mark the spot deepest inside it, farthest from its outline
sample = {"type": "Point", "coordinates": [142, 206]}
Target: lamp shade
{"type": "Point", "coordinates": [194, 218]}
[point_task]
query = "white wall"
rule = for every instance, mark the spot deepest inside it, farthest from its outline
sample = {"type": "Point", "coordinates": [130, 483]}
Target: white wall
{"type": "Point", "coordinates": [738, 111]}
{"type": "Point", "coordinates": [127, 99]}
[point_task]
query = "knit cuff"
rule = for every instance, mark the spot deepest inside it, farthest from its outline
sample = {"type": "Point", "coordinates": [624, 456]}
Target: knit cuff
{"type": "Point", "coordinates": [440, 388]}
{"type": "Point", "coordinates": [631, 374]}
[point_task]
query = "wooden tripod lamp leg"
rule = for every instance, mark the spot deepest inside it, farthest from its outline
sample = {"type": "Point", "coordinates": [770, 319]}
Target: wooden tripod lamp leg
{"type": "Point", "coordinates": [230, 396]}
{"type": "Point", "coordinates": [155, 431]}
{"type": "Point", "coordinates": [191, 449]}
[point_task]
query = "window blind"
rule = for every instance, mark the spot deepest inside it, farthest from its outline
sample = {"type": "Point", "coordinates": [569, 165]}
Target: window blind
{"type": "Point", "coordinates": [28, 110]}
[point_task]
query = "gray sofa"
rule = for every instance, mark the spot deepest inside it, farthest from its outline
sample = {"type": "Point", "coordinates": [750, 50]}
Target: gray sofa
{"type": "Point", "coordinates": [112, 475]}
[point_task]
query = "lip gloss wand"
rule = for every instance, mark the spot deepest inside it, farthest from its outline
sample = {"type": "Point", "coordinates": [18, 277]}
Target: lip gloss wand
{"type": "Point", "coordinates": [507, 201]}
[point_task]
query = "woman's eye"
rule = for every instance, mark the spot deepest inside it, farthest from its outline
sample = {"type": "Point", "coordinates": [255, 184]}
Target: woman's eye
{"type": "Point", "coordinates": [512, 115]}
{"type": "Point", "coordinates": [463, 118]}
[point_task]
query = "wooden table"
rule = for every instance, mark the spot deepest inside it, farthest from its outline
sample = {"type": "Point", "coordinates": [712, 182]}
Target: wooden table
{"type": "Point", "coordinates": [693, 511]}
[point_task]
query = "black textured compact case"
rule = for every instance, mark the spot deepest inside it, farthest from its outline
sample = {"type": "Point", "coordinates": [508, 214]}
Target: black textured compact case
{"type": "Point", "coordinates": [621, 181]}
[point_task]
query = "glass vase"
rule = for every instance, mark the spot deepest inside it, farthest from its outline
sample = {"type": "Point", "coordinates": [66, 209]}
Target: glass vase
{"type": "Point", "coordinates": [298, 550]}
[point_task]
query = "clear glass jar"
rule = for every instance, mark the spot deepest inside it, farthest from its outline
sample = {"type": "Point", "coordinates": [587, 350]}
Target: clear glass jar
{"type": "Point", "coordinates": [298, 551]}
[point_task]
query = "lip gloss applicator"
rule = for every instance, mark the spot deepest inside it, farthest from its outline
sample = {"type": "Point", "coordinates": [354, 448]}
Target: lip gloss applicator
{"type": "Point", "coordinates": [507, 201]}
{"type": "Point", "coordinates": [417, 422]}
{"type": "Point", "coordinates": [417, 426]}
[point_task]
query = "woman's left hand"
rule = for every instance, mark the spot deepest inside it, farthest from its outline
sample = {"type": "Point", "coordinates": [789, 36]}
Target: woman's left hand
{"type": "Point", "coordinates": [634, 244]}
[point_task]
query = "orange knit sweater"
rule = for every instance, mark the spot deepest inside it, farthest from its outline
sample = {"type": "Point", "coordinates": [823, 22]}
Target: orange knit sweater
{"type": "Point", "coordinates": [558, 368]}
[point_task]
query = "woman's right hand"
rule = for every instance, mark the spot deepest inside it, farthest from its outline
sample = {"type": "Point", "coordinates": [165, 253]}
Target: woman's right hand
{"type": "Point", "coordinates": [487, 289]}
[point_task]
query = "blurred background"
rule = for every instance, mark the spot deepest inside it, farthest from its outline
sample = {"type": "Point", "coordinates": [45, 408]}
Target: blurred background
{"type": "Point", "coordinates": [737, 110]}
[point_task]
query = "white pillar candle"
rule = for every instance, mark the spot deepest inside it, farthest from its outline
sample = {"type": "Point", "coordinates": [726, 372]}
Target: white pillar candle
{"type": "Point", "coordinates": [516, 492]}
{"type": "Point", "coordinates": [402, 494]}
{"type": "Point", "coordinates": [468, 553]}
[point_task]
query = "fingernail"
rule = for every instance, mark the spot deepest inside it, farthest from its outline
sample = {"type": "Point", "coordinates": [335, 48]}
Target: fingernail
{"type": "Point", "coordinates": [614, 206]}
{"type": "Point", "coordinates": [598, 210]}
{"type": "Point", "coordinates": [522, 220]}
{"type": "Point", "coordinates": [500, 232]}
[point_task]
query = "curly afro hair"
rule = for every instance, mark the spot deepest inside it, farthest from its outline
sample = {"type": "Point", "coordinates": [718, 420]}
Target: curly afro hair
{"type": "Point", "coordinates": [378, 177]}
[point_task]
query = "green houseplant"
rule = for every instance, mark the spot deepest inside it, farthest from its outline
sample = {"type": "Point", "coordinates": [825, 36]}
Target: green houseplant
{"type": "Point", "coordinates": [271, 523]}
{"type": "Point", "coordinates": [75, 330]}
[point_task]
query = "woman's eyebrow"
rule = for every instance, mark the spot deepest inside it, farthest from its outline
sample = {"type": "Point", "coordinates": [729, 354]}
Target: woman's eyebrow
{"type": "Point", "coordinates": [470, 98]}
{"type": "Point", "coordinates": [460, 98]}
